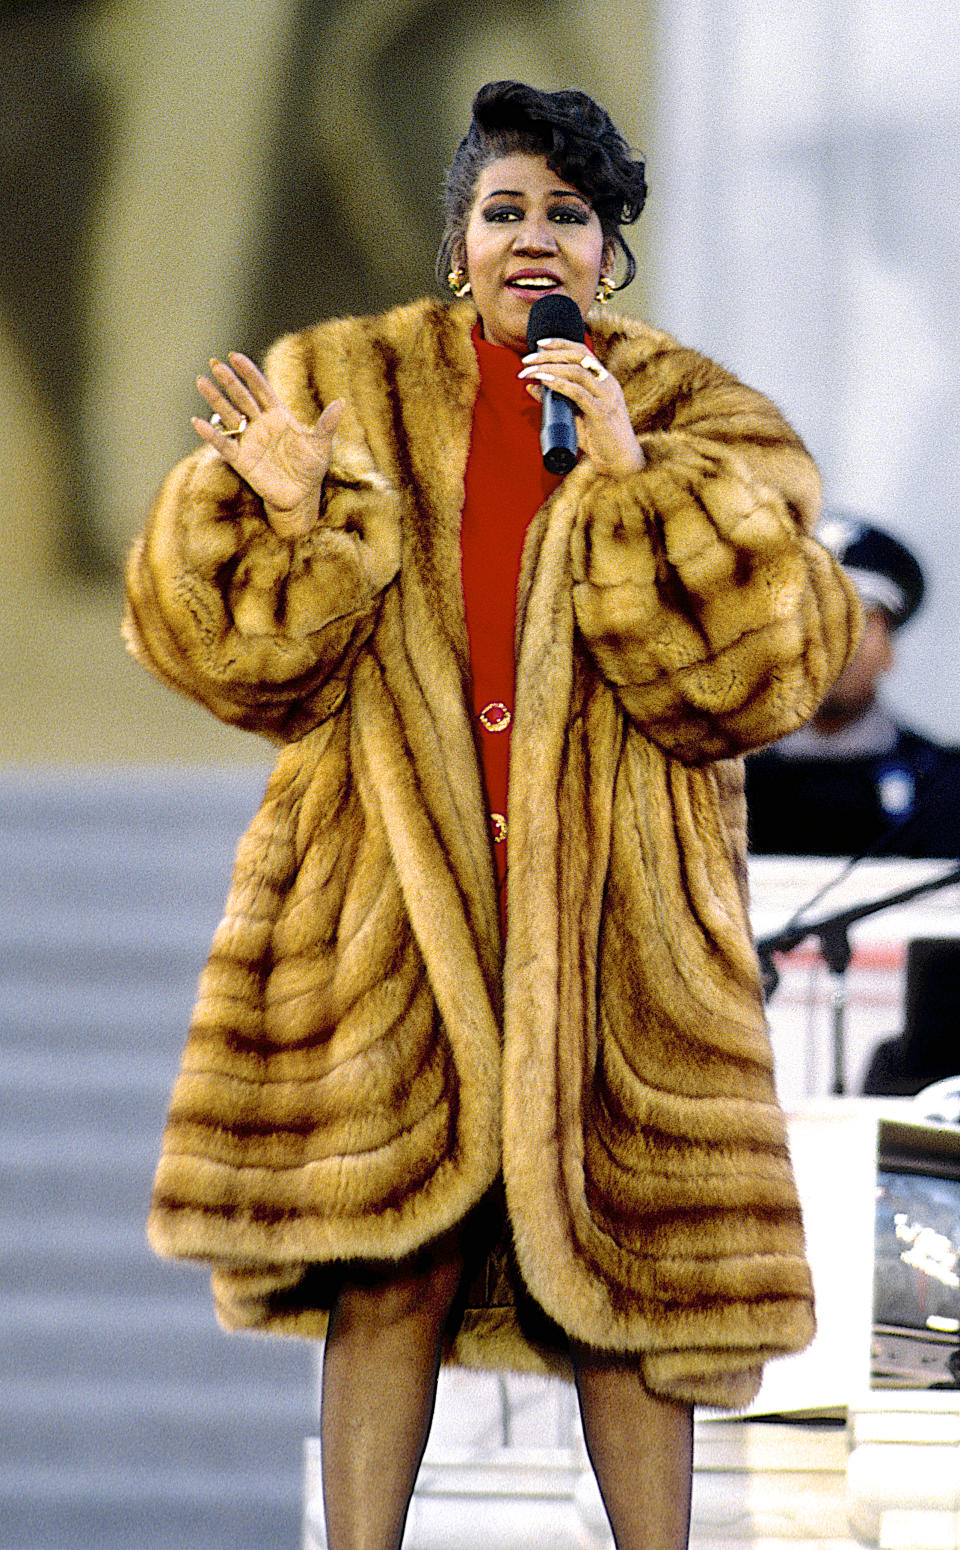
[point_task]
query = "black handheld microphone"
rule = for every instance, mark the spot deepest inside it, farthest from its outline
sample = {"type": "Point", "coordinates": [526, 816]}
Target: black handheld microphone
{"type": "Point", "coordinates": [556, 317]}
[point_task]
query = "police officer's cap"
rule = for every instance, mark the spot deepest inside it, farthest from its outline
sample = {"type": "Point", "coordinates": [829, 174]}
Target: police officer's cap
{"type": "Point", "coordinates": [883, 570]}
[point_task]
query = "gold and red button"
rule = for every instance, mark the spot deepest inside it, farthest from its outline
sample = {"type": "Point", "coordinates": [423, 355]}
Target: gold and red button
{"type": "Point", "coordinates": [495, 717]}
{"type": "Point", "coordinates": [499, 826]}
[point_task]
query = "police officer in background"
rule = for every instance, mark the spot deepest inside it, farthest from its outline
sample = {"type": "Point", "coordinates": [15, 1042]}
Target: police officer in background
{"type": "Point", "coordinates": [853, 780]}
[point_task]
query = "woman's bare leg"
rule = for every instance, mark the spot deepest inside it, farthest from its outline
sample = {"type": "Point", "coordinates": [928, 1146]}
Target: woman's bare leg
{"type": "Point", "coordinates": [641, 1449]}
{"type": "Point", "coordinates": [380, 1366]}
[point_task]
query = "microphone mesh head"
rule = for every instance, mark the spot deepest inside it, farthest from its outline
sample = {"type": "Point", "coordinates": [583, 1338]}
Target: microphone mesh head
{"type": "Point", "coordinates": [554, 317]}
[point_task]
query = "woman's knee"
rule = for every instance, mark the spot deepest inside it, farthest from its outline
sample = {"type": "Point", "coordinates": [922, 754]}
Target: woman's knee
{"type": "Point", "coordinates": [419, 1291]}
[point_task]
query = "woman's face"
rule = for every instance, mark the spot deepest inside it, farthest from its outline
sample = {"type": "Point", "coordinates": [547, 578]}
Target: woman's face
{"type": "Point", "coordinates": [529, 234]}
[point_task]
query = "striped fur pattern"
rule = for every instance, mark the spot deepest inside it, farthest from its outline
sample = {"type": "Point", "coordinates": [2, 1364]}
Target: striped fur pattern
{"type": "Point", "coordinates": [367, 1065]}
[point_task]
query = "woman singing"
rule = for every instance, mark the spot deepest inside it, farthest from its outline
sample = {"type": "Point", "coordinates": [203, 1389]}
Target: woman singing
{"type": "Point", "coordinates": [478, 1068]}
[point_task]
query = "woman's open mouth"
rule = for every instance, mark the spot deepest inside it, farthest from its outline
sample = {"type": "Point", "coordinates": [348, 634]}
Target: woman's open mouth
{"type": "Point", "coordinates": [532, 284]}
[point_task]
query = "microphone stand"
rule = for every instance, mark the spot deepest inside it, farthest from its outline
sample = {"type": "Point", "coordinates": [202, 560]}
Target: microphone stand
{"type": "Point", "coordinates": [832, 932]}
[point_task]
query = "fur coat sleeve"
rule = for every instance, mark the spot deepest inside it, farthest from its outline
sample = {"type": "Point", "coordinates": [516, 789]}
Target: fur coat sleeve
{"type": "Point", "coordinates": [697, 588]}
{"type": "Point", "coordinates": [262, 630]}
{"type": "Point", "coordinates": [366, 1064]}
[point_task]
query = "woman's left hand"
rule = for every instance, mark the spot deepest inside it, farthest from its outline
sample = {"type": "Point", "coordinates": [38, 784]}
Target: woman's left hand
{"type": "Point", "coordinates": [603, 423]}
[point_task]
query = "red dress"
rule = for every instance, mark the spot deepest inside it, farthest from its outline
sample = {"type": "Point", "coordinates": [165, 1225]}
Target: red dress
{"type": "Point", "coordinates": [506, 483]}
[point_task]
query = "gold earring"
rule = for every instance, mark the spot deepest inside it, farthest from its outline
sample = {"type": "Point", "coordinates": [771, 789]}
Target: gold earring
{"type": "Point", "coordinates": [458, 282]}
{"type": "Point", "coordinates": [605, 289]}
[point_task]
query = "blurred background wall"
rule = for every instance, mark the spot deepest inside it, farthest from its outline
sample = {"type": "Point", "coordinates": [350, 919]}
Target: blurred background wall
{"type": "Point", "coordinates": [180, 180]}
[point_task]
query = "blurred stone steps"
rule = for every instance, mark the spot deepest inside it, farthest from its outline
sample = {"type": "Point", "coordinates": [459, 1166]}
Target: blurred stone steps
{"type": "Point", "coordinates": [40, 1015]}
{"type": "Point", "coordinates": [143, 1509]}
{"type": "Point", "coordinates": [127, 1417]}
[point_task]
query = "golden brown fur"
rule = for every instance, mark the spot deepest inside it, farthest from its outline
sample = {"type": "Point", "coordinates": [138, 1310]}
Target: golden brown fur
{"type": "Point", "coordinates": [363, 1064]}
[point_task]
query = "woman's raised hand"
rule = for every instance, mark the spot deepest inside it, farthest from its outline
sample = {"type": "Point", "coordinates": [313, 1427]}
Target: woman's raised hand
{"type": "Point", "coordinates": [282, 460]}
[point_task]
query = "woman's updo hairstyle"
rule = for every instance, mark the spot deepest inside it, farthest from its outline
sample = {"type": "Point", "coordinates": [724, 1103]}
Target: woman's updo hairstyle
{"type": "Point", "coordinates": [579, 142]}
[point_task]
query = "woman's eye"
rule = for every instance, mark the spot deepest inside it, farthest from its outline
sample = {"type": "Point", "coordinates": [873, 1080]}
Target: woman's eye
{"type": "Point", "coordinates": [564, 215]}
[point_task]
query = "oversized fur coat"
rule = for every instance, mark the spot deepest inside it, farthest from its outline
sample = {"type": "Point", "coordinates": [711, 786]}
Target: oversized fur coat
{"type": "Point", "coordinates": [366, 1065]}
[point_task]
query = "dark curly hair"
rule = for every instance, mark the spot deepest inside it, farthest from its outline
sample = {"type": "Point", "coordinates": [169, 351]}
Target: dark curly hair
{"type": "Point", "coordinates": [579, 141]}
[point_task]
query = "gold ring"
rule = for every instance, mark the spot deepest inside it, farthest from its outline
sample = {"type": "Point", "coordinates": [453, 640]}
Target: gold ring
{"type": "Point", "coordinates": [596, 370]}
{"type": "Point", "coordinates": [216, 420]}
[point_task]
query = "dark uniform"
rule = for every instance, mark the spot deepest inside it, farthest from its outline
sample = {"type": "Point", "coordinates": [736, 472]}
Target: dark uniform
{"type": "Point", "coordinates": [869, 786]}
{"type": "Point", "coordinates": [901, 801]}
